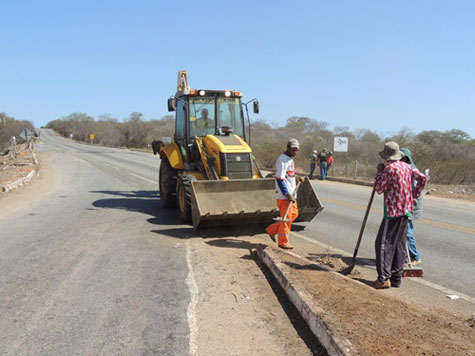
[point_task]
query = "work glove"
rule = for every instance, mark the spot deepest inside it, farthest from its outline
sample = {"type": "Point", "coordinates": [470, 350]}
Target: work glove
{"type": "Point", "coordinates": [290, 197]}
{"type": "Point", "coordinates": [300, 179]}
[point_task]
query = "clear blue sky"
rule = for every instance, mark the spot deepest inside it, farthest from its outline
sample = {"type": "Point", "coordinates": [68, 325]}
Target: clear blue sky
{"type": "Point", "coordinates": [380, 65]}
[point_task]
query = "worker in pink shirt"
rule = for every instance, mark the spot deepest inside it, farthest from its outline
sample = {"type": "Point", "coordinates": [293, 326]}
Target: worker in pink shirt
{"type": "Point", "coordinates": [394, 180]}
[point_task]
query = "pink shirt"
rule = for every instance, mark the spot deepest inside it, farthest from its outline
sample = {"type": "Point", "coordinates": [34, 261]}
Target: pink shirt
{"type": "Point", "coordinates": [395, 181]}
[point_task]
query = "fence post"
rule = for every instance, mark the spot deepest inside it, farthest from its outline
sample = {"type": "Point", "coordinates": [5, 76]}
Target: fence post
{"type": "Point", "coordinates": [356, 169]}
{"type": "Point", "coordinates": [32, 151]}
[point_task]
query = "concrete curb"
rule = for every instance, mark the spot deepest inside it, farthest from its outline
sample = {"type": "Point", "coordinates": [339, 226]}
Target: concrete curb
{"type": "Point", "coordinates": [14, 185]}
{"type": "Point", "coordinates": [313, 314]}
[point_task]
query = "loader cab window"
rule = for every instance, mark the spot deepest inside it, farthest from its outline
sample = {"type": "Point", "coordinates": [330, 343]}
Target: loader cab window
{"type": "Point", "coordinates": [229, 114]}
{"type": "Point", "coordinates": [202, 116]}
{"type": "Point", "coordinates": [180, 123]}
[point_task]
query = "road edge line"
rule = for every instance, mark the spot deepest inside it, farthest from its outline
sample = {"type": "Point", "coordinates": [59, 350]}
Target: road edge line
{"type": "Point", "coordinates": [191, 309]}
{"type": "Point", "coordinates": [333, 345]}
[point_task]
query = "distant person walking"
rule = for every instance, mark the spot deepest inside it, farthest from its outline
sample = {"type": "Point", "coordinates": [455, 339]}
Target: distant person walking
{"type": "Point", "coordinates": [285, 189]}
{"type": "Point", "coordinates": [394, 181]}
{"type": "Point", "coordinates": [415, 256]}
{"type": "Point", "coordinates": [322, 159]}
{"type": "Point", "coordinates": [329, 161]}
{"type": "Point", "coordinates": [313, 162]}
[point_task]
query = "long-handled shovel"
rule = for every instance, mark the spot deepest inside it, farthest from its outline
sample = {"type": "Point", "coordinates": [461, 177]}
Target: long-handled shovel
{"type": "Point", "coordinates": [363, 225]}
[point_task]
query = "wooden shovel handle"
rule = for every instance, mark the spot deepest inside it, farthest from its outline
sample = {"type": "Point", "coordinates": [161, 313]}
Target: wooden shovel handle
{"type": "Point", "coordinates": [291, 202]}
{"type": "Point", "coordinates": [363, 225]}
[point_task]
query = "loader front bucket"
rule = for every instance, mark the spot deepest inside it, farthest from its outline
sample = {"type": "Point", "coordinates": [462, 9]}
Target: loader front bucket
{"type": "Point", "coordinates": [308, 202]}
{"type": "Point", "coordinates": [233, 202]}
{"type": "Point", "coordinates": [245, 201]}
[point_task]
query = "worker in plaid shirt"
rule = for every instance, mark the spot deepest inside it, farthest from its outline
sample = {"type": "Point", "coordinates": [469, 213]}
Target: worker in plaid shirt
{"type": "Point", "coordinates": [395, 181]}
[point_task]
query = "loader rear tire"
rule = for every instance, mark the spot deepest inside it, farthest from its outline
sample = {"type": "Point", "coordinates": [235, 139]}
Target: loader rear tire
{"type": "Point", "coordinates": [167, 184]}
{"type": "Point", "coordinates": [183, 197]}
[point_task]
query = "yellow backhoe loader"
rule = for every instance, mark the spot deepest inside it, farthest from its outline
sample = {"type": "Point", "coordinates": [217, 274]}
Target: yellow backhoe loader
{"type": "Point", "coordinates": [209, 171]}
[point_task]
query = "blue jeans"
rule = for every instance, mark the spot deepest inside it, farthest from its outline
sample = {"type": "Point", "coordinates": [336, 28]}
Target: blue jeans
{"type": "Point", "coordinates": [411, 242]}
{"type": "Point", "coordinates": [323, 170]}
{"type": "Point", "coordinates": [312, 169]}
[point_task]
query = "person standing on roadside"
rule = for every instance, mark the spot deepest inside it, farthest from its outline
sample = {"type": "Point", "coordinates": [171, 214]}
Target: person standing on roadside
{"type": "Point", "coordinates": [394, 181]}
{"type": "Point", "coordinates": [322, 159]}
{"type": "Point", "coordinates": [285, 186]}
{"type": "Point", "coordinates": [313, 163]}
{"type": "Point", "coordinates": [415, 256]}
{"type": "Point", "coordinates": [329, 161]}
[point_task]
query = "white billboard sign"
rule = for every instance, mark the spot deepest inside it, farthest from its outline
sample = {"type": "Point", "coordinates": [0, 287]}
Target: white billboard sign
{"type": "Point", "coordinates": [340, 144]}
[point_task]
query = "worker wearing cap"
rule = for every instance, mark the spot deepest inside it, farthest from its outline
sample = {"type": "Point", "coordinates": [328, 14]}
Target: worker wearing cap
{"type": "Point", "coordinates": [313, 163]}
{"type": "Point", "coordinates": [286, 194]}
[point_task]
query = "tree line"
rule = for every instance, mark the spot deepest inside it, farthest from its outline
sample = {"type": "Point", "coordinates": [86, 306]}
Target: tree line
{"type": "Point", "coordinates": [450, 155]}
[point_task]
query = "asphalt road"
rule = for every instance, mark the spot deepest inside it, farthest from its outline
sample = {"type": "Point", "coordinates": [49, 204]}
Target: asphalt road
{"type": "Point", "coordinates": [86, 274]}
{"type": "Point", "coordinates": [83, 273]}
{"type": "Point", "coordinates": [445, 236]}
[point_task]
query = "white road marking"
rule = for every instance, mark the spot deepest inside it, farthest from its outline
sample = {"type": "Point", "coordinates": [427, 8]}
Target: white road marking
{"type": "Point", "coordinates": [110, 165]}
{"type": "Point", "coordinates": [191, 310]}
{"type": "Point", "coordinates": [417, 280]}
{"type": "Point", "coordinates": [443, 289]}
{"type": "Point", "coordinates": [146, 179]}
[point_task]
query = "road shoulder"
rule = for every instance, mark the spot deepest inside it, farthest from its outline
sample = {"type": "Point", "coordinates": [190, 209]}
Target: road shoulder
{"type": "Point", "coordinates": [238, 311]}
{"type": "Point", "coordinates": [359, 319]}
{"type": "Point", "coordinates": [47, 180]}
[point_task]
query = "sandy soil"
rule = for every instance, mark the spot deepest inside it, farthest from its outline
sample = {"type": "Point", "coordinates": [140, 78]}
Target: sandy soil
{"type": "Point", "coordinates": [44, 182]}
{"type": "Point", "coordinates": [239, 312]}
{"type": "Point", "coordinates": [377, 323]}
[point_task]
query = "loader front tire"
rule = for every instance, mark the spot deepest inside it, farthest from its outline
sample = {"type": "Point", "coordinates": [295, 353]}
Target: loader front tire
{"type": "Point", "coordinates": [167, 184]}
{"type": "Point", "coordinates": [183, 197]}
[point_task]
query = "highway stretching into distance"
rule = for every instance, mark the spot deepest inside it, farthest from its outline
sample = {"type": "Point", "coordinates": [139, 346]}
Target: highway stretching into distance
{"type": "Point", "coordinates": [109, 207]}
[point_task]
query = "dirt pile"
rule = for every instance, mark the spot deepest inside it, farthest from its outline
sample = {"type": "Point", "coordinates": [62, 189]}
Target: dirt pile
{"type": "Point", "coordinates": [377, 324]}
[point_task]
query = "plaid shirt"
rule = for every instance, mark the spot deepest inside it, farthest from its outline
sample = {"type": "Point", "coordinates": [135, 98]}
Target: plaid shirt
{"type": "Point", "coordinates": [395, 181]}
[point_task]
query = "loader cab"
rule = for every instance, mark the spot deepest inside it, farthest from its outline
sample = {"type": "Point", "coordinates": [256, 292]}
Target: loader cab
{"type": "Point", "coordinates": [203, 112]}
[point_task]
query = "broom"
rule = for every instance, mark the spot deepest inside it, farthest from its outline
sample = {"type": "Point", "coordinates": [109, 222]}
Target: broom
{"type": "Point", "coordinates": [411, 271]}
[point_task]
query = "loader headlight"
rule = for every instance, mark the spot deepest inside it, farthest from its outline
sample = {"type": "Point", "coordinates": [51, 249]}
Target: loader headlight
{"type": "Point", "coordinates": [202, 92]}
{"type": "Point", "coordinates": [227, 93]}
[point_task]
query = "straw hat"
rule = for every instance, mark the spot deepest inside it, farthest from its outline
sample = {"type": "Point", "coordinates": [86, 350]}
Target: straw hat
{"type": "Point", "coordinates": [391, 152]}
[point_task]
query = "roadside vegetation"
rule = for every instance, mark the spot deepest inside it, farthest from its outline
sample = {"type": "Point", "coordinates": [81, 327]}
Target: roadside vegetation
{"type": "Point", "coordinates": [10, 127]}
{"type": "Point", "coordinates": [450, 155]}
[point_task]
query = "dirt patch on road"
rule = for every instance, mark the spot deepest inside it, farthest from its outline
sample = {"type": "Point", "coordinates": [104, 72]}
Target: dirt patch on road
{"type": "Point", "coordinates": [239, 310]}
{"type": "Point", "coordinates": [378, 324]}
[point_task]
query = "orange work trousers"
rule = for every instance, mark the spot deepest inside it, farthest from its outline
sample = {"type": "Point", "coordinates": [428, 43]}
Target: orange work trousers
{"type": "Point", "coordinates": [283, 228]}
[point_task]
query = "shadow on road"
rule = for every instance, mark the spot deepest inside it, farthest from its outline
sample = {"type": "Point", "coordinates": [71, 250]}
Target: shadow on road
{"type": "Point", "coordinates": [148, 203]}
{"type": "Point", "coordinates": [141, 201]}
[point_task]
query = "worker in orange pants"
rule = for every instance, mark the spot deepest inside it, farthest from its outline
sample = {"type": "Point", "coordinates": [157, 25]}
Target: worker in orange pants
{"type": "Point", "coordinates": [283, 228]}
{"type": "Point", "coordinates": [285, 189]}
